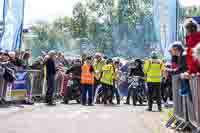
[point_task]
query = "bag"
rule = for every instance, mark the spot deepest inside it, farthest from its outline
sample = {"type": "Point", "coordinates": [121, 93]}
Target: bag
{"type": "Point", "coordinates": [185, 88]}
{"type": "Point", "coordinates": [9, 75]}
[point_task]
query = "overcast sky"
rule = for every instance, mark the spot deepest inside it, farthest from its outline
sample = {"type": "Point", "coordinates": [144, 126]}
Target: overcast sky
{"type": "Point", "coordinates": [47, 9]}
{"type": "Point", "coordinates": [50, 9]}
{"type": "Point", "coordinates": [190, 2]}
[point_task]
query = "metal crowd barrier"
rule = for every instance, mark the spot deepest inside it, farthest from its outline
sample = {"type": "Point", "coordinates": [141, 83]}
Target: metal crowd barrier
{"type": "Point", "coordinates": [31, 89]}
{"type": "Point", "coordinates": [193, 103]}
{"type": "Point", "coordinates": [36, 86]}
{"type": "Point", "coordinates": [179, 101]}
{"type": "Point", "coordinates": [180, 105]}
{"type": "Point", "coordinates": [2, 83]}
{"type": "Point", "coordinates": [5, 87]}
{"type": "Point", "coordinates": [39, 87]}
{"type": "Point", "coordinates": [186, 108]}
{"type": "Point", "coordinates": [37, 82]}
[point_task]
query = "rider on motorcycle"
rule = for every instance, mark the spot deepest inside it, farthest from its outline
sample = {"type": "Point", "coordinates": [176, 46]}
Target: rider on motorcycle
{"type": "Point", "coordinates": [135, 70]}
{"type": "Point", "coordinates": [75, 70]}
{"type": "Point", "coordinates": [75, 74]}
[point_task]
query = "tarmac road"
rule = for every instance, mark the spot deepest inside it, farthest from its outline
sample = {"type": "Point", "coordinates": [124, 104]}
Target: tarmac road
{"type": "Point", "coordinates": [74, 118]}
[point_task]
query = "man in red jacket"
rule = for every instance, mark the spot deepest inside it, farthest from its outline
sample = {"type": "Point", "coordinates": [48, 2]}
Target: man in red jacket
{"type": "Point", "coordinates": [192, 39]}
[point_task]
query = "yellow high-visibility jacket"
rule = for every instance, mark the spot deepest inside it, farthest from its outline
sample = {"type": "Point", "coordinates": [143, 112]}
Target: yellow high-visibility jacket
{"type": "Point", "coordinates": [153, 70]}
{"type": "Point", "coordinates": [108, 74]}
{"type": "Point", "coordinates": [98, 69]}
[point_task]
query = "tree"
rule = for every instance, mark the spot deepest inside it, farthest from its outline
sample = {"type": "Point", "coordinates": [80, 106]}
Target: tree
{"type": "Point", "coordinates": [80, 19]}
{"type": "Point", "coordinates": [98, 22]}
{"type": "Point", "coordinates": [55, 35]}
{"type": "Point", "coordinates": [193, 11]}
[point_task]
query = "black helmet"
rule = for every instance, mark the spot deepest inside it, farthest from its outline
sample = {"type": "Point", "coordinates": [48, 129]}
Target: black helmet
{"type": "Point", "coordinates": [109, 61]}
{"type": "Point", "coordinates": [138, 60]}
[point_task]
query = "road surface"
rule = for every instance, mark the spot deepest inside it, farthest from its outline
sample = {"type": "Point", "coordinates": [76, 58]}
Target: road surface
{"type": "Point", "coordinates": [75, 118]}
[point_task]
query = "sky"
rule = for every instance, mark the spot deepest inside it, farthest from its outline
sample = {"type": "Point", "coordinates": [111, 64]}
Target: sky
{"type": "Point", "coordinates": [189, 2]}
{"type": "Point", "coordinates": [1, 10]}
{"type": "Point", "coordinates": [48, 10]}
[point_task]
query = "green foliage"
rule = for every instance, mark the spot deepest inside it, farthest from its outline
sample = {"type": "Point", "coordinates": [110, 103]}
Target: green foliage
{"type": "Point", "coordinates": [194, 11]}
{"type": "Point", "coordinates": [49, 36]}
{"type": "Point", "coordinates": [96, 20]}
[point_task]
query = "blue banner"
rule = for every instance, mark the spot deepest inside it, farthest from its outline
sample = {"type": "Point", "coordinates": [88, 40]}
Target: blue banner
{"type": "Point", "coordinates": [1, 18]}
{"type": "Point", "coordinates": [14, 15]}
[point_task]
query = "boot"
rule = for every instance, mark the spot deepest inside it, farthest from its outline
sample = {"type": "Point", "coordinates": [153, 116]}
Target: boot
{"type": "Point", "coordinates": [90, 102]}
{"type": "Point", "coordinates": [111, 101]}
{"type": "Point", "coordinates": [149, 109]}
{"type": "Point", "coordinates": [159, 108]}
{"type": "Point", "coordinates": [51, 102]}
{"type": "Point", "coordinates": [118, 100]}
{"type": "Point", "coordinates": [127, 101]}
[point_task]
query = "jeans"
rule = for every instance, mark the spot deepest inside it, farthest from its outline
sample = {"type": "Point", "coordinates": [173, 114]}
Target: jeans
{"type": "Point", "coordinates": [116, 92]}
{"type": "Point", "coordinates": [166, 90]}
{"type": "Point", "coordinates": [129, 94]}
{"type": "Point", "coordinates": [87, 89]}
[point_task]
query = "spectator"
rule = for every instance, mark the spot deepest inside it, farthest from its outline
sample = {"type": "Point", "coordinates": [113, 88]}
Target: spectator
{"type": "Point", "coordinates": [116, 81]}
{"type": "Point", "coordinates": [51, 72]}
{"type": "Point", "coordinates": [174, 59]}
{"type": "Point", "coordinates": [192, 39]}
{"type": "Point", "coordinates": [15, 61]}
{"type": "Point", "coordinates": [26, 58]}
{"type": "Point", "coordinates": [182, 69]}
{"type": "Point", "coordinates": [38, 64]}
{"type": "Point", "coordinates": [196, 55]}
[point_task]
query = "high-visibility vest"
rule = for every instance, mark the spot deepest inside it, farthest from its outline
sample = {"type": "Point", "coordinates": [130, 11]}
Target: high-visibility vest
{"type": "Point", "coordinates": [153, 70]}
{"type": "Point", "coordinates": [98, 69]}
{"type": "Point", "coordinates": [108, 74]}
{"type": "Point", "coordinates": [86, 76]}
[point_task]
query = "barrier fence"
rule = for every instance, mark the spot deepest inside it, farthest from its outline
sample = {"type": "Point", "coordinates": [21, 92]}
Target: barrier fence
{"type": "Point", "coordinates": [29, 84]}
{"type": "Point", "coordinates": [186, 108]}
{"type": "Point", "coordinates": [194, 103]}
{"type": "Point", "coordinates": [2, 83]}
